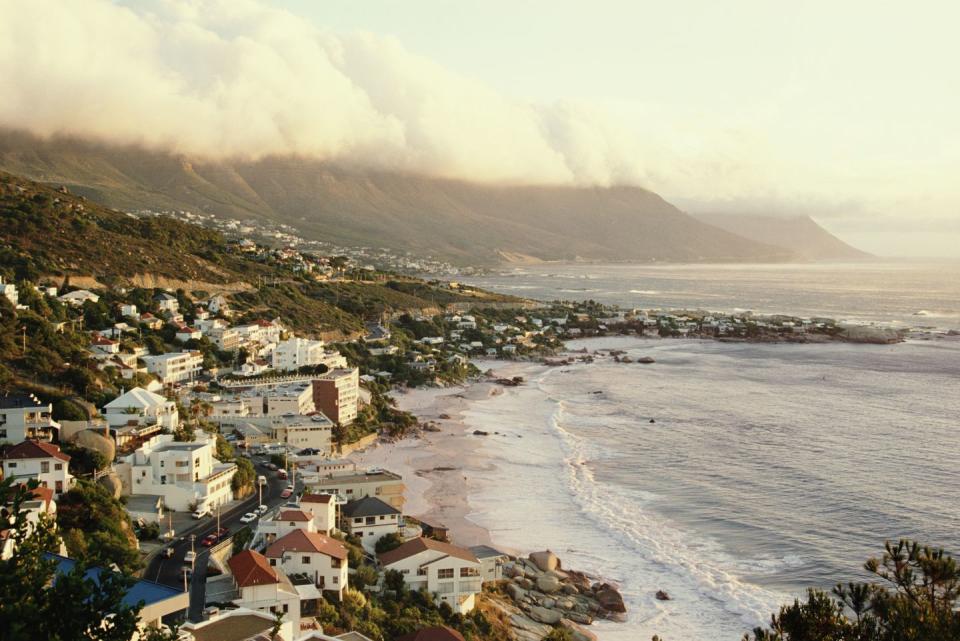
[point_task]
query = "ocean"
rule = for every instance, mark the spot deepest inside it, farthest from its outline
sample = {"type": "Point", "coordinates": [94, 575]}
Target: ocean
{"type": "Point", "coordinates": [732, 476]}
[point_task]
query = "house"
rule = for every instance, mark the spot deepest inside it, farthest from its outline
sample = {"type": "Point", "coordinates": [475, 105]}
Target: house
{"type": "Point", "coordinates": [39, 504]}
{"type": "Point", "coordinates": [385, 485]}
{"type": "Point", "coordinates": [254, 367]}
{"type": "Point", "coordinates": [323, 508]}
{"type": "Point", "coordinates": [295, 353]}
{"type": "Point", "coordinates": [287, 521]}
{"type": "Point", "coordinates": [451, 572]}
{"type": "Point", "coordinates": [23, 416]}
{"type": "Point", "coordinates": [104, 345]}
{"type": "Point", "coordinates": [186, 333]}
{"type": "Point", "coordinates": [386, 350]}
{"type": "Point", "coordinates": [167, 302]}
{"type": "Point", "coordinates": [78, 297]}
{"type": "Point", "coordinates": [129, 311]}
{"type": "Point", "coordinates": [322, 559]}
{"type": "Point", "coordinates": [175, 367]}
{"type": "Point", "coordinates": [336, 394]}
{"type": "Point", "coordinates": [10, 291]}
{"type": "Point", "coordinates": [142, 408]}
{"type": "Point", "coordinates": [369, 519]}
{"type": "Point", "coordinates": [155, 599]}
{"type": "Point", "coordinates": [491, 562]}
{"type": "Point", "coordinates": [261, 587]}
{"type": "Point", "coordinates": [218, 305]}
{"type": "Point", "coordinates": [184, 474]}
{"type": "Point", "coordinates": [150, 321]}
{"type": "Point", "coordinates": [277, 400]}
{"type": "Point", "coordinates": [41, 461]}
{"type": "Point", "coordinates": [437, 633]}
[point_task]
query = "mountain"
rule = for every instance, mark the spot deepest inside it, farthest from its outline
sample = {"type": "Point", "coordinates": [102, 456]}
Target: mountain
{"type": "Point", "coordinates": [461, 221]}
{"type": "Point", "coordinates": [798, 234]}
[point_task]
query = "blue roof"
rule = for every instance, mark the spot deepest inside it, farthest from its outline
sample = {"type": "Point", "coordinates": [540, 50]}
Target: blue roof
{"type": "Point", "coordinates": [148, 592]}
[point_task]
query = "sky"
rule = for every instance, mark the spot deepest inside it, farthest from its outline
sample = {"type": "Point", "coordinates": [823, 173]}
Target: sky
{"type": "Point", "coordinates": [845, 111]}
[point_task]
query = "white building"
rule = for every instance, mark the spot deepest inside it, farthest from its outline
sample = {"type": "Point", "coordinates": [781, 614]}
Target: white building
{"type": "Point", "coordinates": [41, 461]}
{"type": "Point", "coordinates": [182, 473]}
{"type": "Point", "coordinates": [40, 504]}
{"type": "Point", "coordinates": [79, 297]}
{"type": "Point", "coordinates": [261, 587]}
{"type": "Point", "coordinates": [23, 416]}
{"type": "Point", "coordinates": [322, 559]}
{"type": "Point", "coordinates": [369, 519]}
{"type": "Point", "coordinates": [323, 507]}
{"type": "Point", "coordinates": [140, 407]}
{"type": "Point", "coordinates": [295, 353]}
{"type": "Point", "coordinates": [303, 432]}
{"type": "Point", "coordinates": [167, 302]}
{"type": "Point", "coordinates": [278, 400]}
{"type": "Point", "coordinates": [386, 486]}
{"type": "Point", "coordinates": [175, 367]}
{"type": "Point", "coordinates": [451, 572]}
{"type": "Point", "coordinates": [10, 291]}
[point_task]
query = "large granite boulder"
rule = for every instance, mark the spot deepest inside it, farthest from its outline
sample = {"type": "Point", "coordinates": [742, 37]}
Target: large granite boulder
{"type": "Point", "coordinates": [544, 615]}
{"type": "Point", "coordinates": [609, 598]}
{"type": "Point", "coordinates": [548, 583]}
{"type": "Point", "coordinates": [545, 560]}
{"type": "Point", "coordinates": [96, 441]}
{"type": "Point", "coordinates": [112, 484]}
{"type": "Point", "coordinates": [577, 632]}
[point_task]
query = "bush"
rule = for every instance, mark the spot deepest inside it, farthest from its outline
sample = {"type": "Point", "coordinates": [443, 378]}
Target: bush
{"type": "Point", "coordinates": [388, 542]}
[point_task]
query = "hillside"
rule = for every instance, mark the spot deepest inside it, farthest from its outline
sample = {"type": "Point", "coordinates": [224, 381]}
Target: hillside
{"type": "Point", "coordinates": [799, 234]}
{"type": "Point", "coordinates": [464, 222]}
{"type": "Point", "coordinates": [53, 236]}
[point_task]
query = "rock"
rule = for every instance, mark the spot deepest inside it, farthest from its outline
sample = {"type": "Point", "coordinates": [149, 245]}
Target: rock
{"type": "Point", "coordinates": [609, 598]}
{"type": "Point", "coordinates": [565, 604]}
{"type": "Point", "coordinates": [569, 588]}
{"type": "Point", "coordinates": [547, 602]}
{"type": "Point", "coordinates": [662, 596]}
{"type": "Point", "coordinates": [580, 617]}
{"type": "Point", "coordinates": [576, 632]}
{"type": "Point", "coordinates": [516, 592]}
{"type": "Point", "coordinates": [544, 615]}
{"type": "Point", "coordinates": [112, 483]}
{"type": "Point", "coordinates": [480, 433]}
{"type": "Point", "coordinates": [94, 440]}
{"type": "Point", "coordinates": [652, 421]}
{"type": "Point", "coordinates": [524, 582]}
{"type": "Point", "coordinates": [444, 417]}
{"type": "Point", "coordinates": [646, 359]}
{"type": "Point", "coordinates": [527, 628]}
{"type": "Point", "coordinates": [545, 560]}
{"type": "Point", "coordinates": [579, 579]}
{"type": "Point", "coordinates": [548, 584]}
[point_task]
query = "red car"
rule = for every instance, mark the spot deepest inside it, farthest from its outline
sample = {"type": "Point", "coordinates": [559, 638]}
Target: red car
{"type": "Point", "coordinates": [286, 493]}
{"type": "Point", "coordinates": [215, 537]}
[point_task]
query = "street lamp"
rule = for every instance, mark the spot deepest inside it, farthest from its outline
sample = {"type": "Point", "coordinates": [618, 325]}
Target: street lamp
{"type": "Point", "coordinates": [260, 489]}
{"type": "Point", "coordinates": [193, 537]}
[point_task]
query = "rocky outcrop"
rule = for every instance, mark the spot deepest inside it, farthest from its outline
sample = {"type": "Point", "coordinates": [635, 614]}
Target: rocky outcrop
{"type": "Point", "coordinates": [544, 595]}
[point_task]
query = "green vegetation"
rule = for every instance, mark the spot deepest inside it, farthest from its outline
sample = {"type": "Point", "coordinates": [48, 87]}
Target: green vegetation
{"type": "Point", "coordinates": [74, 606]}
{"type": "Point", "coordinates": [96, 528]}
{"type": "Point", "coordinates": [388, 542]}
{"type": "Point", "coordinates": [243, 481]}
{"type": "Point", "coordinates": [915, 598]}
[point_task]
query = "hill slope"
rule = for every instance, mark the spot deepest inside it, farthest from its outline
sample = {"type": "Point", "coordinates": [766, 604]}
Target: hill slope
{"type": "Point", "coordinates": [461, 221]}
{"type": "Point", "coordinates": [799, 234]}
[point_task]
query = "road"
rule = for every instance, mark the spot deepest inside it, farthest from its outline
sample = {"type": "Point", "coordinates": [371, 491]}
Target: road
{"type": "Point", "coordinates": [170, 571]}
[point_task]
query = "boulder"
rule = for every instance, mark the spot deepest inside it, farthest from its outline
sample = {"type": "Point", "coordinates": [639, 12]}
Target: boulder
{"type": "Point", "coordinates": [577, 633]}
{"type": "Point", "coordinates": [579, 579]}
{"type": "Point", "coordinates": [112, 483]}
{"type": "Point", "coordinates": [580, 617]}
{"type": "Point", "coordinates": [96, 441]}
{"type": "Point", "coordinates": [566, 604]}
{"type": "Point", "coordinates": [609, 598]}
{"type": "Point", "coordinates": [662, 596]}
{"type": "Point", "coordinates": [545, 561]}
{"type": "Point", "coordinates": [548, 584]}
{"type": "Point", "coordinates": [524, 582]}
{"type": "Point", "coordinates": [544, 615]}
{"type": "Point", "coordinates": [570, 589]}
{"type": "Point", "coordinates": [516, 592]}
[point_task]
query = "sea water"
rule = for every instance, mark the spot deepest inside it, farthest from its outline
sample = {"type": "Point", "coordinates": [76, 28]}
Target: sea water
{"type": "Point", "coordinates": [731, 475]}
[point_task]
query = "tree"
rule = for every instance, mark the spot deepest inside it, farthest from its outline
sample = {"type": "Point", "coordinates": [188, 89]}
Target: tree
{"type": "Point", "coordinates": [96, 527]}
{"type": "Point", "coordinates": [915, 599]}
{"type": "Point", "coordinates": [388, 542]}
{"type": "Point", "coordinates": [38, 602]}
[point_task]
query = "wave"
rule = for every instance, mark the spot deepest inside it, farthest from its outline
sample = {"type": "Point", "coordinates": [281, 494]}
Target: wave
{"type": "Point", "coordinates": [646, 292]}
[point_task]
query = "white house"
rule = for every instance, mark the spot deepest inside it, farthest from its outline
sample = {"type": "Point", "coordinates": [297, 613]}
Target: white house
{"type": "Point", "coordinates": [261, 587]}
{"type": "Point", "coordinates": [450, 572]}
{"type": "Point", "coordinates": [316, 555]}
{"type": "Point", "coordinates": [218, 305]}
{"type": "Point", "coordinates": [140, 407]}
{"type": "Point", "coordinates": [323, 507]}
{"type": "Point", "coordinates": [10, 291]}
{"type": "Point", "coordinates": [303, 432]}
{"type": "Point", "coordinates": [182, 473]}
{"type": "Point", "coordinates": [369, 519]}
{"type": "Point", "coordinates": [39, 504]}
{"type": "Point", "coordinates": [79, 297]}
{"type": "Point", "coordinates": [129, 311]}
{"type": "Point", "coordinates": [41, 461]}
{"type": "Point", "coordinates": [166, 302]}
{"type": "Point", "coordinates": [294, 353]}
{"type": "Point", "coordinates": [186, 333]}
{"type": "Point", "coordinates": [23, 416]}
{"type": "Point", "coordinates": [104, 345]}
{"type": "Point", "coordinates": [174, 367]}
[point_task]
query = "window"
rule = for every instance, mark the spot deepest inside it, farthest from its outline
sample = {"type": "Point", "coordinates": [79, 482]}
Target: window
{"type": "Point", "coordinates": [162, 463]}
{"type": "Point", "coordinates": [58, 466]}
{"type": "Point", "coordinates": [44, 467]}
{"type": "Point", "coordinates": [404, 571]}
{"type": "Point", "coordinates": [358, 521]}
{"type": "Point", "coordinates": [371, 520]}
{"type": "Point", "coordinates": [382, 517]}
{"type": "Point", "coordinates": [421, 571]}
{"type": "Point", "coordinates": [336, 580]}
{"type": "Point", "coordinates": [163, 480]}
{"type": "Point", "coordinates": [306, 560]}
{"type": "Point", "coordinates": [273, 562]}
{"type": "Point", "coordinates": [11, 465]}
{"type": "Point", "coordinates": [445, 573]}
{"type": "Point", "coordinates": [469, 572]}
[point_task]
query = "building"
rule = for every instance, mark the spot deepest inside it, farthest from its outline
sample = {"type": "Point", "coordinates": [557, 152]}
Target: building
{"type": "Point", "coordinates": [184, 474]}
{"type": "Point", "coordinates": [23, 416]}
{"type": "Point", "coordinates": [278, 400]}
{"type": "Point", "coordinates": [261, 587]}
{"type": "Point", "coordinates": [323, 507]}
{"type": "Point", "coordinates": [10, 291]}
{"type": "Point", "coordinates": [369, 519]}
{"type": "Point", "coordinates": [167, 302]}
{"type": "Point", "coordinates": [451, 572]}
{"type": "Point", "coordinates": [304, 432]}
{"type": "Point", "coordinates": [384, 485]}
{"type": "Point", "coordinates": [239, 624]}
{"type": "Point", "coordinates": [322, 559]}
{"type": "Point", "coordinates": [218, 305]}
{"type": "Point", "coordinates": [295, 353]}
{"type": "Point", "coordinates": [78, 298]}
{"type": "Point", "coordinates": [41, 461]}
{"type": "Point", "coordinates": [491, 562]}
{"type": "Point", "coordinates": [175, 367]}
{"type": "Point", "coordinates": [40, 504]}
{"type": "Point", "coordinates": [141, 408]}
{"type": "Point", "coordinates": [337, 394]}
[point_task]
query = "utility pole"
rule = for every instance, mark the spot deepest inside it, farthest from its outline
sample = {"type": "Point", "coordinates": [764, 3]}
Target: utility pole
{"type": "Point", "coordinates": [193, 537]}
{"type": "Point", "coordinates": [23, 328]}
{"type": "Point", "coordinates": [184, 579]}
{"type": "Point", "coordinates": [218, 522]}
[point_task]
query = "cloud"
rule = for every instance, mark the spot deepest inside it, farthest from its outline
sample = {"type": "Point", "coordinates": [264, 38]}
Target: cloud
{"type": "Point", "coordinates": [237, 78]}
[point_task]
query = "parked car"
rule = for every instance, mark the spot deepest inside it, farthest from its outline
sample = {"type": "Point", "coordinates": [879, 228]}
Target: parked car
{"type": "Point", "coordinates": [286, 493]}
{"type": "Point", "coordinates": [201, 512]}
{"type": "Point", "coordinates": [262, 509]}
{"type": "Point", "coordinates": [209, 540]}
{"type": "Point", "coordinates": [167, 552]}
{"type": "Point", "coordinates": [271, 466]}
{"type": "Point", "coordinates": [248, 517]}
{"type": "Point", "coordinates": [282, 474]}
{"type": "Point", "coordinates": [190, 557]}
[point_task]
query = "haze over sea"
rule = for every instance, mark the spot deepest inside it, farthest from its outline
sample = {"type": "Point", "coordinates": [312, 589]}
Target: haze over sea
{"type": "Point", "coordinates": [769, 468]}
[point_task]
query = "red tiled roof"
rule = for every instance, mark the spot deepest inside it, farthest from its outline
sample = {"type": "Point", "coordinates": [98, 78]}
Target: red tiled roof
{"type": "Point", "coordinates": [316, 498]}
{"type": "Point", "coordinates": [416, 546]}
{"type": "Point", "coordinates": [100, 340]}
{"type": "Point", "coordinates": [439, 633]}
{"type": "Point", "coordinates": [252, 568]}
{"type": "Point", "coordinates": [35, 449]}
{"type": "Point", "coordinates": [302, 541]}
{"type": "Point", "coordinates": [294, 515]}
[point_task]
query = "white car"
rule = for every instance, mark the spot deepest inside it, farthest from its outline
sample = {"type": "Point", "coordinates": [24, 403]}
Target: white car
{"type": "Point", "coordinates": [190, 557]}
{"type": "Point", "coordinates": [262, 509]}
{"type": "Point", "coordinates": [249, 516]}
{"type": "Point", "coordinates": [202, 512]}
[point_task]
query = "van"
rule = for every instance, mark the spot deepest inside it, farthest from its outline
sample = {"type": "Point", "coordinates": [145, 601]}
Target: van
{"type": "Point", "coordinates": [201, 512]}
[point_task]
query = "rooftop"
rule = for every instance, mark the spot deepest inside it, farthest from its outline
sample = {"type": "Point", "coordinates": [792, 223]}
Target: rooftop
{"type": "Point", "coordinates": [367, 506]}
{"type": "Point", "coordinates": [35, 449]}
{"type": "Point", "coordinates": [416, 546]}
{"type": "Point", "coordinates": [12, 401]}
{"type": "Point", "coordinates": [301, 541]}
{"type": "Point", "coordinates": [251, 568]}
{"type": "Point", "coordinates": [146, 591]}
